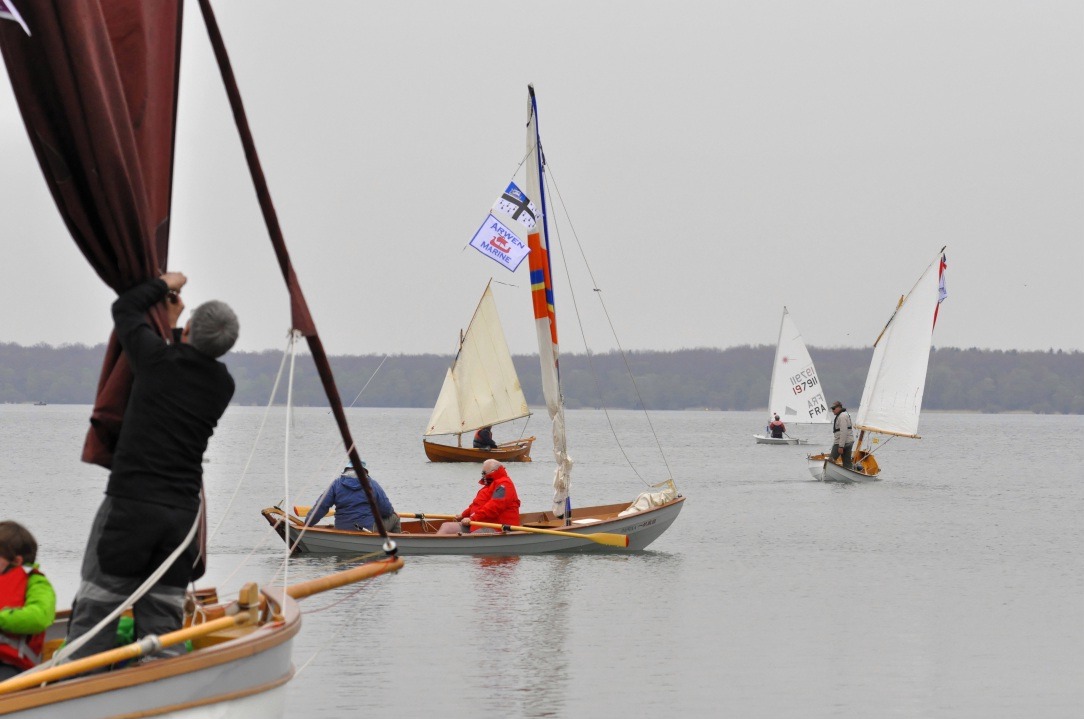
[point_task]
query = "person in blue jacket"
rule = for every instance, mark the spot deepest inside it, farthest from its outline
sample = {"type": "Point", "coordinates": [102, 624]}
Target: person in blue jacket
{"type": "Point", "coordinates": [352, 509]}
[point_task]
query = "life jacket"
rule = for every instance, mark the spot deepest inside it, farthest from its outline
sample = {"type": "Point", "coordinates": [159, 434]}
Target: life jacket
{"type": "Point", "coordinates": [496, 502]}
{"type": "Point", "coordinates": [19, 650]}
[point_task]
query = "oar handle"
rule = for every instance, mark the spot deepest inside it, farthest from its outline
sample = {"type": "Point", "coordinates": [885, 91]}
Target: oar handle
{"type": "Point", "coordinates": [249, 615]}
{"type": "Point", "coordinates": [607, 538]}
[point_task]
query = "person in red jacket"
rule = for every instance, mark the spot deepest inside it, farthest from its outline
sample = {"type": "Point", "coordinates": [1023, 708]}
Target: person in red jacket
{"type": "Point", "coordinates": [496, 502]}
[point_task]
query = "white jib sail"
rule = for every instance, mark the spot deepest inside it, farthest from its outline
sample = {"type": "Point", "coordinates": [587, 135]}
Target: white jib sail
{"type": "Point", "coordinates": [545, 318]}
{"type": "Point", "coordinates": [481, 387]}
{"type": "Point", "coordinates": [892, 397]}
{"type": "Point", "coordinates": [796, 394]}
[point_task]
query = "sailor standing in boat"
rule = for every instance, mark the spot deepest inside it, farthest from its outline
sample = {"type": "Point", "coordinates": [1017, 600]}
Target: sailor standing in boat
{"type": "Point", "coordinates": [842, 434]}
{"type": "Point", "coordinates": [152, 500]}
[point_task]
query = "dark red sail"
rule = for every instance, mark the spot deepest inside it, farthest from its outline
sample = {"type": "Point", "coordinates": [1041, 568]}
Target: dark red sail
{"type": "Point", "coordinates": [96, 82]}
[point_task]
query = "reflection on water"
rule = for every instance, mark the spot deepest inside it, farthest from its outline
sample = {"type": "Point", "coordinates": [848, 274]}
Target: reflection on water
{"type": "Point", "coordinates": [954, 588]}
{"type": "Point", "coordinates": [521, 635]}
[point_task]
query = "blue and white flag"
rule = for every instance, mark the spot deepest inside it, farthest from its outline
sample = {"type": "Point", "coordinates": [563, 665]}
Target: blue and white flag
{"type": "Point", "coordinates": [500, 243]}
{"type": "Point", "coordinates": [8, 12]}
{"type": "Point", "coordinates": [501, 236]}
{"type": "Point", "coordinates": [517, 206]}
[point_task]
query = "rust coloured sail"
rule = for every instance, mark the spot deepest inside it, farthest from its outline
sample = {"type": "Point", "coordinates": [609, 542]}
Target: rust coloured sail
{"type": "Point", "coordinates": [96, 83]}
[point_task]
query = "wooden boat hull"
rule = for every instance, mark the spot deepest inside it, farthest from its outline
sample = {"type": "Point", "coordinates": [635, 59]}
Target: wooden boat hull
{"type": "Point", "coordinates": [418, 536]}
{"type": "Point", "coordinates": [761, 439]}
{"type": "Point", "coordinates": [238, 674]}
{"type": "Point", "coordinates": [515, 451]}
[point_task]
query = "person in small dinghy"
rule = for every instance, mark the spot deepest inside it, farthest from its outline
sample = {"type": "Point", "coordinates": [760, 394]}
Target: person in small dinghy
{"type": "Point", "coordinates": [352, 510]}
{"type": "Point", "coordinates": [496, 502]}
{"type": "Point", "coordinates": [842, 434]}
{"type": "Point", "coordinates": [776, 428]}
{"type": "Point", "coordinates": [483, 439]}
{"type": "Point", "coordinates": [27, 601]}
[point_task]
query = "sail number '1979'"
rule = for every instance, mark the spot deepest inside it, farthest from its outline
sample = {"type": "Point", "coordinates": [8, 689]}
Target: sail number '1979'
{"type": "Point", "coordinates": [806, 379]}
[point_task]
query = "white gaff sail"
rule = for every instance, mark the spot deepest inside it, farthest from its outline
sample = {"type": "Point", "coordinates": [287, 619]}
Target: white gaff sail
{"type": "Point", "coordinates": [796, 394]}
{"type": "Point", "coordinates": [481, 387]}
{"type": "Point", "coordinates": [892, 397]}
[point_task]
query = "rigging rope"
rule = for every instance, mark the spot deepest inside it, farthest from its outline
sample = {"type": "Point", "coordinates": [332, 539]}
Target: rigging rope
{"type": "Point", "coordinates": [286, 454]}
{"type": "Point", "coordinates": [142, 589]}
{"type": "Point", "coordinates": [621, 350]}
{"type": "Point", "coordinates": [255, 444]}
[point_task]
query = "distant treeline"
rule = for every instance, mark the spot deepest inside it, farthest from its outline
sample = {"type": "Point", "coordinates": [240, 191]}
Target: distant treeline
{"type": "Point", "coordinates": [1049, 382]}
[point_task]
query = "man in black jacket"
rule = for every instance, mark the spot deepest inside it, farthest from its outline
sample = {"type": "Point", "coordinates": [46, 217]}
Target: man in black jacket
{"type": "Point", "coordinates": [152, 502]}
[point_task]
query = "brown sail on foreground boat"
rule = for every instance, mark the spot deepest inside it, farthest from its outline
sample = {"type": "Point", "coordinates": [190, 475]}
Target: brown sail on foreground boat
{"type": "Point", "coordinates": [97, 85]}
{"type": "Point", "coordinates": [480, 390]}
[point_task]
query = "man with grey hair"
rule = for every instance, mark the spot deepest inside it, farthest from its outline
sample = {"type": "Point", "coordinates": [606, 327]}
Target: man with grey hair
{"type": "Point", "coordinates": [152, 500]}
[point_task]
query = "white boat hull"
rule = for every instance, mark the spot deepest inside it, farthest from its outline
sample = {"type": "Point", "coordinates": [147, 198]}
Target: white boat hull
{"type": "Point", "coordinates": [418, 537]}
{"type": "Point", "coordinates": [242, 677]}
{"type": "Point", "coordinates": [761, 439]}
{"type": "Point", "coordinates": [815, 465]}
{"type": "Point", "coordinates": [838, 473]}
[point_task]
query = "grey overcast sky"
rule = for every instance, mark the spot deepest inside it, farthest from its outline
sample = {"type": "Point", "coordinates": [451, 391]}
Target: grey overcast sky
{"type": "Point", "coordinates": [718, 161]}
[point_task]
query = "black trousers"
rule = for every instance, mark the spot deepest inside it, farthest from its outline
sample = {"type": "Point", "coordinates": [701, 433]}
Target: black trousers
{"type": "Point", "coordinates": [128, 541]}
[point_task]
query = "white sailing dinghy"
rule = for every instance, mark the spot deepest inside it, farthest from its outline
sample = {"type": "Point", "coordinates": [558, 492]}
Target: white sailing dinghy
{"type": "Point", "coordinates": [481, 389]}
{"type": "Point", "coordinates": [618, 527]}
{"type": "Point", "coordinates": [892, 397]}
{"type": "Point", "coordinates": [796, 394]}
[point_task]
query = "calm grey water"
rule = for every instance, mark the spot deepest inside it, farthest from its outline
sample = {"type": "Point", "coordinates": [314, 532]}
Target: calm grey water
{"type": "Point", "coordinates": [953, 588]}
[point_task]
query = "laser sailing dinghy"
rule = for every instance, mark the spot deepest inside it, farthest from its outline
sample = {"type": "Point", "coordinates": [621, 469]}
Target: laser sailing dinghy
{"type": "Point", "coordinates": [796, 394]}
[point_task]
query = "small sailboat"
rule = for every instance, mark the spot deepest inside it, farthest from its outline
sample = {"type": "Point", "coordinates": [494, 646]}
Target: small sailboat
{"type": "Point", "coordinates": [480, 390]}
{"type": "Point", "coordinates": [892, 396]}
{"type": "Point", "coordinates": [78, 72]}
{"type": "Point", "coordinates": [619, 527]}
{"type": "Point", "coordinates": [796, 395]}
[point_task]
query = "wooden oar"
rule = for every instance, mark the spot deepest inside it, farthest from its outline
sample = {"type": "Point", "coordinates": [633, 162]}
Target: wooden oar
{"type": "Point", "coordinates": [608, 538]}
{"type": "Point", "coordinates": [249, 615]}
{"type": "Point", "coordinates": [251, 603]}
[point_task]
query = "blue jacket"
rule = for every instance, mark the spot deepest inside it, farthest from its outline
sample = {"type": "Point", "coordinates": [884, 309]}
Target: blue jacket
{"type": "Point", "coordinates": [351, 504]}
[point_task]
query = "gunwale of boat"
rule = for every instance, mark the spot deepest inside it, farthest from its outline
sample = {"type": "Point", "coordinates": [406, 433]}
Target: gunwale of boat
{"type": "Point", "coordinates": [762, 439]}
{"type": "Point", "coordinates": [834, 471]}
{"type": "Point", "coordinates": [518, 450]}
{"type": "Point", "coordinates": [283, 622]}
{"type": "Point", "coordinates": [418, 536]}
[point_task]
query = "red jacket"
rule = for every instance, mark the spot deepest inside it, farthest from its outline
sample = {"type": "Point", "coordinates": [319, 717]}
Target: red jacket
{"type": "Point", "coordinates": [19, 650]}
{"type": "Point", "coordinates": [496, 501]}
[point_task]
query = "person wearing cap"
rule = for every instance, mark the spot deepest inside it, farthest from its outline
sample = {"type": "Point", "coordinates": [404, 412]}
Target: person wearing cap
{"type": "Point", "coordinates": [352, 510]}
{"type": "Point", "coordinates": [842, 434]}
{"type": "Point", "coordinates": [776, 428]}
{"type": "Point", "coordinates": [496, 502]}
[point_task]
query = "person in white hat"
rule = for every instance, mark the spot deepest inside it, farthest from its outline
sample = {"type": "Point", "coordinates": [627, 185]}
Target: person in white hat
{"type": "Point", "coordinates": [496, 502]}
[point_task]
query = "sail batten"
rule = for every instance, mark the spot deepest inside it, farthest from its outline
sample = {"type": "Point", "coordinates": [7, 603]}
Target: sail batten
{"type": "Point", "coordinates": [892, 397]}
{"type": "Point", "coordinates": [796, 394]}
{"type": "Point", "coordinates": [481, 387]}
